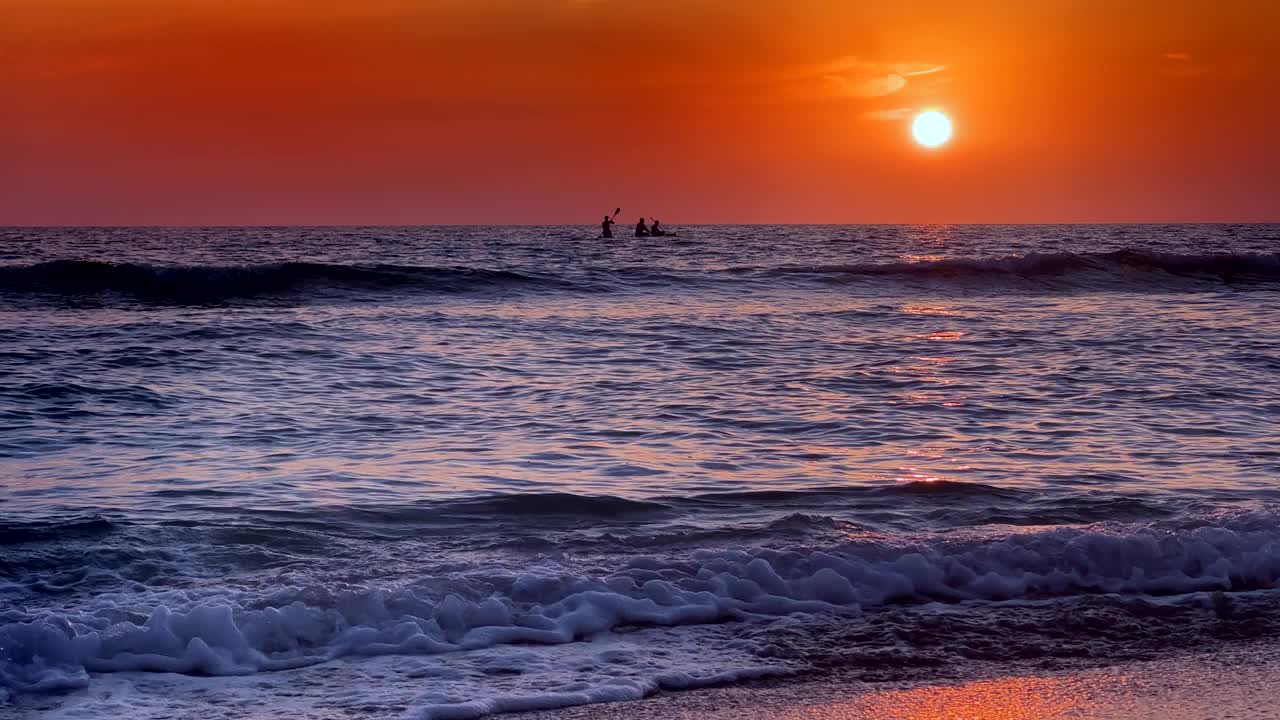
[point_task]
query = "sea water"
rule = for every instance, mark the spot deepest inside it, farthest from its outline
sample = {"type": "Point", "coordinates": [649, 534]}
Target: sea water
{"type": "Point", "coordinates": [442, 472]}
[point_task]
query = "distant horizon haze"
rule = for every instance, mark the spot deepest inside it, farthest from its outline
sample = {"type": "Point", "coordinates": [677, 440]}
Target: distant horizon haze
{"type": "Point", "coordinates": [619, 235]}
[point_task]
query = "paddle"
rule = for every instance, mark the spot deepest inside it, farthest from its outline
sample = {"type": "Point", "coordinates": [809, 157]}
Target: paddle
{"type": "Point", "coordinates": [660, 233]}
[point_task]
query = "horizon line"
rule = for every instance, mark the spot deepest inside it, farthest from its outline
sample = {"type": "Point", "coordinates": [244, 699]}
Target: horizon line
{"type": "Point", "coordinates": [1087, 223]}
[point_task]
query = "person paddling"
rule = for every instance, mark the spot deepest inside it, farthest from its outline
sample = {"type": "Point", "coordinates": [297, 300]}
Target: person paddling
{"type": "Point", "coordinates": [606, 227]}
{"type": "Point", "coordinates": [655, 229]}
{"type": "Point", "coordinates": [641, 230]}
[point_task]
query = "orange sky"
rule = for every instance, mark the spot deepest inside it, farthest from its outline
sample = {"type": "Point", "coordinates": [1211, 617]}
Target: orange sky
{"type": "Point", "coordinates": [527, 111]}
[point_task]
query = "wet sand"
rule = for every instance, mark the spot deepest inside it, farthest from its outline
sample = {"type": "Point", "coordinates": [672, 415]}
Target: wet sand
{"type": "Point", "coordinates": [1242, 683]}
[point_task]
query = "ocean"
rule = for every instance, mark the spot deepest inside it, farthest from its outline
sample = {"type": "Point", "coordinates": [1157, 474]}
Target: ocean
{"type": "Point", "coordinates": [444, 472]}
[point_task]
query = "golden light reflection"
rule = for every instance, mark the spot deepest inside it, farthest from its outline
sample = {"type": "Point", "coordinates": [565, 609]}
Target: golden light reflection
{"type": "Point", "coordinates": [931, 235]}
{"type": "Point", "coordinates": [1006, 699]}
{"type": "Point", "coordinates": [916, 309]}
{"type": "Point", "coordinates": [914, 475]}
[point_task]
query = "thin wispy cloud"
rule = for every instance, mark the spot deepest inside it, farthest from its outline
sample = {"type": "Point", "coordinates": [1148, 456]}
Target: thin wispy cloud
{"type": "Point", "coordinates": [900, 113]}
{"type": "Point", "coordinates": [854, 77]}
{"type": "Point", "coordinates": [1184, 65]}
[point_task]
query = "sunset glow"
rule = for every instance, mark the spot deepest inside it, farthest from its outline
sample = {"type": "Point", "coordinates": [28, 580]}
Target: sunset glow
{"type": "Point", "coordinates": [383, 111]}
{"type": "Point", "coordinates": [666, 359]}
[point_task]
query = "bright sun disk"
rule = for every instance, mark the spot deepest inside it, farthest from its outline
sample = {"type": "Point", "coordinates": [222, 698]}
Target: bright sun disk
{"type": "Point", "coordinates": [931, 128]}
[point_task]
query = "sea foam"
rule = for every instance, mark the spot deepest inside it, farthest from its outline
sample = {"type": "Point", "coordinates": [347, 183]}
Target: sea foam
{"type": "Point", "coordinates": [236, 632]}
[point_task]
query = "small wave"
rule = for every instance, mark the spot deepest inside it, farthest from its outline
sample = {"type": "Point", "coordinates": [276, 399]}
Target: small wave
{"type": "Point", "coordinates": [560, 507]}
{"type": "Point", "coordinates": [209, 284]}
{"type": "Point", "coordinates": [553, 508]}
{"type": "Point", "coordinates": [496, 508]}
{"type": "Point", "coordinates": [195, 492]}
{"type": "Point", "coordinates": [940, 488]}
{"type": "Point", "coordinates": [555, 503]}
{"type": "Point", "coordinates": [1122, 266]}
{"type": "Point", "coordinates": [13, 533]}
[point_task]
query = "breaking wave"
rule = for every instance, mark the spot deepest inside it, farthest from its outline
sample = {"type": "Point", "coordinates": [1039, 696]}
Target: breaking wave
{"type": "Point", "coordinates": [232, 631]}
{"type": "Point", "coordinates": [1135, 267]}
{"type": "Point", "coordinates": [1125, 269]}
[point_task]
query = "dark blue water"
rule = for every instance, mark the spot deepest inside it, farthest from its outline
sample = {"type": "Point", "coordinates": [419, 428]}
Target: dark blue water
{"type": "Point", "coordinates": [466, 470]}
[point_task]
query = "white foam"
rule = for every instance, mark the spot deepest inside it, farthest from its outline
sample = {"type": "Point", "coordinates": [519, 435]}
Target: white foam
{"type": "Point", "coordinates": [611, 667]}
{"type": "Point", "coordinates": [234, 633]}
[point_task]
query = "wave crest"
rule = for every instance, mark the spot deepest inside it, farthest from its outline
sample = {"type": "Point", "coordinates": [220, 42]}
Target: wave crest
{"type": "Point", "coordinates": [214, 283]}
{"type": "Point", "coordinates": [1131, 269]}
{"type": "Point", "coordinates": [1129, 266]}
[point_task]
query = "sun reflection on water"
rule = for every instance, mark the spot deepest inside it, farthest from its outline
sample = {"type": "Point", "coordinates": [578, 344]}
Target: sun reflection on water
{"type": "Point", "coordinates": [917, 309]}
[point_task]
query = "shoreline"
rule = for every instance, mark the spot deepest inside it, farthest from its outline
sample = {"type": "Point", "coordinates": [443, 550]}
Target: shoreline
{"type": "Point", "coordinates": [1219, 682]}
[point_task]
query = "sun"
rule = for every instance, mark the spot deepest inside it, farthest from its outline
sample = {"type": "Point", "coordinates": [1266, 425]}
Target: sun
{"type": "Point", "coordinates": [931, 129]}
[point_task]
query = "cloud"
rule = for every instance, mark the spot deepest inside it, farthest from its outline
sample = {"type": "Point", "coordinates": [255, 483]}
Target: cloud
{"type": "Point", "coordinates": [868, 87]}
{"type": "Point", "coordinates": [901, 113]}
{"type": "Point", "coordinates": [1183, 65]}
{"type": "Point", "coordinates": [1179, 64]}
{"type": "Point", "coordinates": [853, 77]}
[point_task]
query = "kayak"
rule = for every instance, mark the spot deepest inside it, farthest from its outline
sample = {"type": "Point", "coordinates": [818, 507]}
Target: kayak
{"type": "Point", "coordinates": [619, 237]}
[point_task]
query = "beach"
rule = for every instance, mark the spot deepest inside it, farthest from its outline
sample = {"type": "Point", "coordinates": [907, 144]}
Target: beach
{"type": "Point", "coordinates": [1219, 681]}
{"type": "Point", "coordinates": [1227, 682]}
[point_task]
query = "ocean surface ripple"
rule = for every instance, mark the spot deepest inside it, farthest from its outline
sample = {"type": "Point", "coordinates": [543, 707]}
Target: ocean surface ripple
{"type": "Point", "coordinates": [452, 471]}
